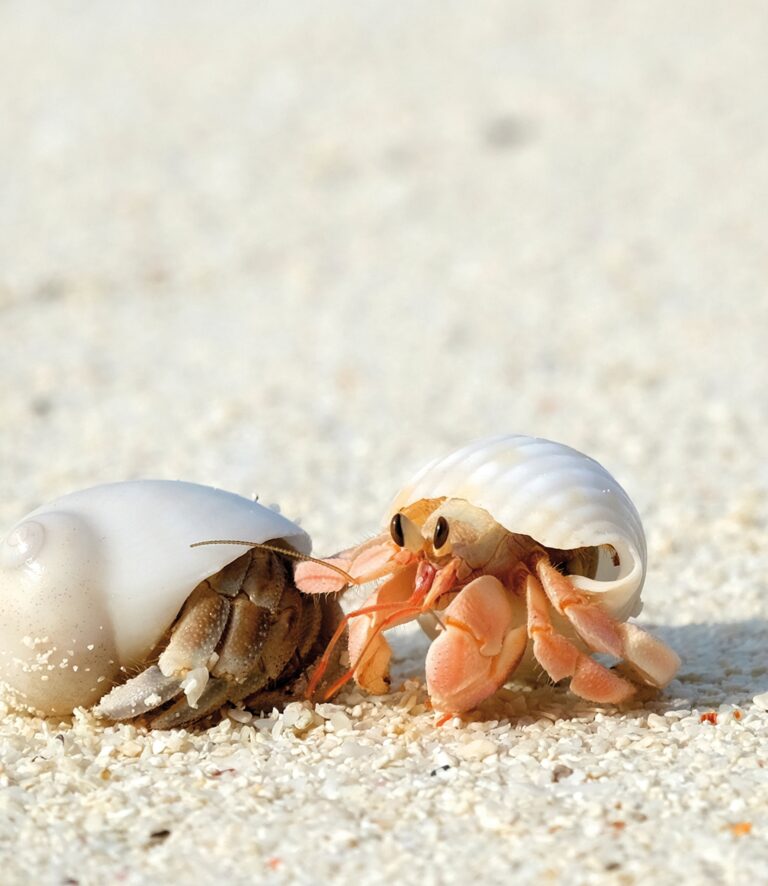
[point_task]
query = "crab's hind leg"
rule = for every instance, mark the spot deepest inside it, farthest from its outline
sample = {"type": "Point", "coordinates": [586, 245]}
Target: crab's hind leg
{"type": "Point", "coordinates": [648, 659]}
{"type": "Point", "coordinates": [560, 658]}
{"type": "Point", "coordinates": [482, 642]}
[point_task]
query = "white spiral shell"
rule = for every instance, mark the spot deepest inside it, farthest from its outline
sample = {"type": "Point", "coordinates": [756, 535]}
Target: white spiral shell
{"type": "Point", "coordinates": [552, 493]}
{"type": "Point", "coordinates": [90, 582]}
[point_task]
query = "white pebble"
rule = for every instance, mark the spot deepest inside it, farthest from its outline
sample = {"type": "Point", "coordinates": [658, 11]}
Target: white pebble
{"type": "Point", "coordinates": [339, 720]}
{"type": "Point", "coordinates": [298, 716]}
{"type": "Point", "coordinates": [478, 749]}
{"type": "Point", "coordinates": [761, 701]}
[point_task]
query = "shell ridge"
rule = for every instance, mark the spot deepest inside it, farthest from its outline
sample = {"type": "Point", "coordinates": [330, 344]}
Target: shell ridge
{"type": "Point", "coordinates": [549, 491]}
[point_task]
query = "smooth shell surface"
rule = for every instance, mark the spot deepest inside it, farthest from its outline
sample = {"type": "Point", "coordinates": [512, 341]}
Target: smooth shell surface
{"type": "Point", "coordinates": [90, 582]}
{"type": "Point", "coordinates": [552, 493]}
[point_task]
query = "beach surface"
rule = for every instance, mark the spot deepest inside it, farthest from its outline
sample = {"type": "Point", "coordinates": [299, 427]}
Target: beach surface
{"type": "Point", "coordinates": [296, 251]}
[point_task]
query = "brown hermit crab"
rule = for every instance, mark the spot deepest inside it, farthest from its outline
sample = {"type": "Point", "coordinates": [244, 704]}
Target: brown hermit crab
{"type": "Point", "coordinates": [105, 600]}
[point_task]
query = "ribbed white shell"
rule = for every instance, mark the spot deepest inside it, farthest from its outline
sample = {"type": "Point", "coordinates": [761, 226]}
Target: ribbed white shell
{"type": "Point", "coordinates": [555, 494]}
{"type": "Point", "coordinates": [90, 582]}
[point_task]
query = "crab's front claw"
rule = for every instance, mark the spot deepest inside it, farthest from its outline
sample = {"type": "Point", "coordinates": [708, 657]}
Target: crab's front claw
{"type": "Point", "coordinates": [483, 639]}
{"type": "Point", "coordinates": [373, 559]}
{"type": "Point", "coordinates": [369, 652]}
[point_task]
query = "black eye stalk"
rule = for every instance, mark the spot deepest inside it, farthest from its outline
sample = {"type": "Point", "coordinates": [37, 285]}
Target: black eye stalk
{"type": "Point", "coordinates": [441, 533]}
{"type": "Point", "coordinates": [396, 529]}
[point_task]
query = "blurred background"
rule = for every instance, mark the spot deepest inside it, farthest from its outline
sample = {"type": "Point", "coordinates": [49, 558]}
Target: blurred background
{"type": "Point", "coordinates": [296, 250]}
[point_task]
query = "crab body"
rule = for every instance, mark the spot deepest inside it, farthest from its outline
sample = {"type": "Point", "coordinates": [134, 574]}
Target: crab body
{"type": "Point", "coordinates": [512, 550]}
{"type": "Point", "coordinates": [103, 602]}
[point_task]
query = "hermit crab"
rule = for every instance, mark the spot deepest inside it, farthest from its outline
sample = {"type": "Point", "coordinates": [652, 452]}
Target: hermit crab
{"type": "Point", "coordinates": [522, 553]}
{"type": "Point", "coordinates": [103, 601]}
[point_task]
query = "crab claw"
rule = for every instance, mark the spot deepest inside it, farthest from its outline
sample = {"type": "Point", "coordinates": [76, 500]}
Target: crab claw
{"type": "Point", "coordinates": [483, 640]}
{"type": "Point", "coordinates": [371, 560]}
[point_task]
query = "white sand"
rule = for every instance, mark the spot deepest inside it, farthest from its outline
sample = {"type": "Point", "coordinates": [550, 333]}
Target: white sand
{"type": "Point", "coordinates": [299, 250]}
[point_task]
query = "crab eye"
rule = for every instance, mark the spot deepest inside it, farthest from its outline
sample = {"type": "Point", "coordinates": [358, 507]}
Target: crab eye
{"type": "Point", "coordinates": [396, 529]}
{"type": "Point", "coordinates": [441, 533]}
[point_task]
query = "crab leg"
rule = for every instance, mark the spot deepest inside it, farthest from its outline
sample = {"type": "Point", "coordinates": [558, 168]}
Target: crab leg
{"type": "Point", "coordinates": [238, 632]}
{"type": "Point", "coordinates": [369, 652]}
{"type": "Point", "coordinates": [482, 643]}
{"type": "Point", "coordinates": [240, 676]}
{"type": "Point", "coordinates": [401, 581]}
{"type": "Point", "coordinates": [183, 665]}
{"type": "Point", "coordinates": [650, 659]}
{"type": "Point", "coordinates": [560, 658]}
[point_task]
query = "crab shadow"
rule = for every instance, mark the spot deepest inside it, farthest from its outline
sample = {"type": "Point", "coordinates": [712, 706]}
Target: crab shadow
{"type": "Point", "coordinates": [723, 663]}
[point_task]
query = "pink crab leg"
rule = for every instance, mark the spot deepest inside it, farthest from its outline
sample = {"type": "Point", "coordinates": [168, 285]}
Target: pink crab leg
{"type": "Point", "coordinates": [592, 623]}
{"type": "Point", "coordinates": [403, 614]}
{"type": "Point", "coordinates": [653, 660]}
{"type": "Point", "coordinates": [369, 652]}
{"type": "Point", "coordinates": [400, 599]}
{"type": "Point", "coordinates": [322, 664]}
{"type": "Point", "coordinates": [371, 560]}
{"type": "Point", "coordinates": [482, 643]}
{"type": "Point", "coordinates": [560, 658]}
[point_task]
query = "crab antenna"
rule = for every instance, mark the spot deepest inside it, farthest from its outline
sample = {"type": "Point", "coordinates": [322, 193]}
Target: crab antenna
{"type": "Point", "coordinates": [277, 550]}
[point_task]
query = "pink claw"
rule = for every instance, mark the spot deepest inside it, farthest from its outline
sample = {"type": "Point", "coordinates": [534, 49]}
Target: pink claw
{"type": "Point", "coordinates": [364, 563]}
{"type": "Point", "coordinates": [482, 643]}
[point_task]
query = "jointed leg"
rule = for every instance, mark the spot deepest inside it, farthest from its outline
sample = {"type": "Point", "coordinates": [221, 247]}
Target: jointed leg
{"type": "Point", "coordinates": [560, 658]}
{"type": "Point", "coordinates": [650, 660]}
{"type": "Point", "coordinates": [243, 629]}
{"type": "Point", "coordinates": [365, 640]}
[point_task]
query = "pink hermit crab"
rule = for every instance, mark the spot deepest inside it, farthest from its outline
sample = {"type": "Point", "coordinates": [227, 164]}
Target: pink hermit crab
{"type": "Point", "coordinates": [517, 550]}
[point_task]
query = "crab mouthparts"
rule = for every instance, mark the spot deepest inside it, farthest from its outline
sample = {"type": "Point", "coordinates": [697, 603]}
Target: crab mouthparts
{"type": "Point", "coordinates": [425, 575]}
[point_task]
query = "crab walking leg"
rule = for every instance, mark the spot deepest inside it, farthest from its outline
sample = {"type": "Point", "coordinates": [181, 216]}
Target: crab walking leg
{"type": "Point", "coordinates": [560, 658]}
{"type": "Point", "coordinates": [483, 641]}
{"type": "Point", "coordinates": [592, 623]}
{"type": "Point", "coordinates": [369, 652]}
{"type": "Point", "coordinates": [238, 679]}
{"type": "Point", "coordinates": [401, 581]}
{"type": "Point", "coordinates": [402, 614]}
{"type": "Point", "coordinates": [183, 665]}
{"type": "Point", "coordinates": [237, 632]}
{"type": "Point", "coordinates": [650, 659]}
